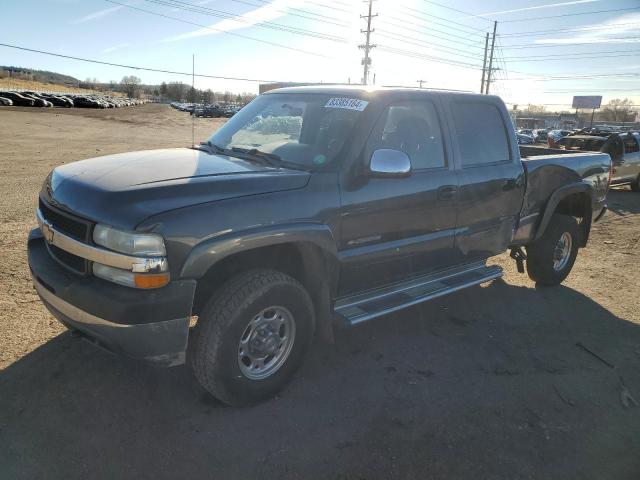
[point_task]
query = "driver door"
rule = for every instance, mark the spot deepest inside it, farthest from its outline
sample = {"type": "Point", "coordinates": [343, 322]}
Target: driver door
{"type": "Point", "coordinates": [394, 228]}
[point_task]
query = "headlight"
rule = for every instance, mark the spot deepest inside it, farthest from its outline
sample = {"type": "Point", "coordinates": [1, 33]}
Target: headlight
{"type": "Point", "coordinates": [130, 279]}
{"type": "Point", "coordinates": [137, 244]}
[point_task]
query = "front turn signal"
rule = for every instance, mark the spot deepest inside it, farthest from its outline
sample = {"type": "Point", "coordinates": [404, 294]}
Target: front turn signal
{"type": "Point", "coordinates": [151, 280]}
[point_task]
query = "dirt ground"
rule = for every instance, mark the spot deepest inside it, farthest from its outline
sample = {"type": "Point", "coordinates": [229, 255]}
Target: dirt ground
{"type": "Point", "coordinates": [487, 383]}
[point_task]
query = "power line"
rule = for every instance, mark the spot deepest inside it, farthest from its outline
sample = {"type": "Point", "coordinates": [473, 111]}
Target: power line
{"type": "Point", "coordinates": [411, 54]}
{"type": "Point", "coordinates": [134, 67]}
{"type": "Point", "coordinates": [420, 43]}
{"type": "Point", "coordinates": [567, 30]}
{"type": "Point", "coordinates": [564, 55]}
{"type": "Point", "coordinates": [467, 29]}
{"type": "Point", "coordinates": [574, 56]}
{"type": "Point", "coordinates": [528, 45]}
{"type": "Point", "coordinates": [427, 31]}
{"type": "Point", "coordinates": [457, 10]}
{"type": "Point", "coordinates": [289, 10]}
{"type": "Point", "coordinates": [577, 77]}
{"type": "Point", "coordinates": [239, 35]}
{"type": "Point", "coordinates": [531, 19]}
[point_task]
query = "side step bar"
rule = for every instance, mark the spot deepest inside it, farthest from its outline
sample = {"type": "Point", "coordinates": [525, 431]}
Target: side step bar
{"type": "Point", "coordinates": [361, 307]}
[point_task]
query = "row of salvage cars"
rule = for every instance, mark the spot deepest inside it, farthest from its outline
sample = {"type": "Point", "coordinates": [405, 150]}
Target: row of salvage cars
{"type": "Point", "coordinates": [68, 100]}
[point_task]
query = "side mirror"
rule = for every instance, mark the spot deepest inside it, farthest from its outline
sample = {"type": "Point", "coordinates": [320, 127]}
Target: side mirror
{"type": "Point", "coordinates": [386, 162]}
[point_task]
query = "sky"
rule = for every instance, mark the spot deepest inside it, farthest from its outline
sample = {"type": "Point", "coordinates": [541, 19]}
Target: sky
{"type": "Point", "coordinates": [546, 51]}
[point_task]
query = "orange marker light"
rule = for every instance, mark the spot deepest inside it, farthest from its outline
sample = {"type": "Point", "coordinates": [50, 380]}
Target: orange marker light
{"type": "Point", "coordinates": [151, 280]}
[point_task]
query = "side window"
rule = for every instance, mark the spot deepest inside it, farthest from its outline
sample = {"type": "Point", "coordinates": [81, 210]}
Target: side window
{"type": "Point", "coordinates": [413, 127]}
{"type": "Point", "coordinates": [630, 144]}
{"type": "Point", "coordinates": [481, 133]}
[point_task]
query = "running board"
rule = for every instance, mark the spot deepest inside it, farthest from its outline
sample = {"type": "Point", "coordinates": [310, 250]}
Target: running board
{"type": "Point", "coordinates": [361, 307]}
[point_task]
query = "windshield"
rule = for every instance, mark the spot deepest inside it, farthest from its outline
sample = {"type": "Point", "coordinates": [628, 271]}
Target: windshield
{"type": "Point", "coordinates": [307, 130]}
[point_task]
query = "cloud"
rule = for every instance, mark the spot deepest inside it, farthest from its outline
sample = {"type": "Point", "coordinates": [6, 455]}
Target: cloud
{"type": "Point", "coordinates": [99, 14]}
{"type": "Point", "coordinates": [271, 11]}
{"type": "Point", "coordinates": [538, 7]}
{"type": "Point", "coordinates": [115, 47]}
{"type": "Point", "coordinates": [610, 31]}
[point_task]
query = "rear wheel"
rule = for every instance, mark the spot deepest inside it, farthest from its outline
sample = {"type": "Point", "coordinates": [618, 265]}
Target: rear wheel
{"type": "Point", "coordinates": [252, 336]}
{"type": "Point", "coordinates": [551, 257]}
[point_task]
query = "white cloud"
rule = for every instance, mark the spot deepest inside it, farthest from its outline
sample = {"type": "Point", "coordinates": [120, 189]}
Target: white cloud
{"type": "Point", "coordinates": [115, 47]}
{"type": "Point", "coordinates": [269, 12]}
{"type": "Point", "coordinates": [99, 14]}
{"type": "Point", "coordinates": [538, 7]}
{"type": "Point", "coordinates": [617, 30]}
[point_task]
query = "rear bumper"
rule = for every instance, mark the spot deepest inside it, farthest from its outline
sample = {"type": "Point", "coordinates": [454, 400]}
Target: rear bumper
{"type": "Point", "coordinates": [150, 325]}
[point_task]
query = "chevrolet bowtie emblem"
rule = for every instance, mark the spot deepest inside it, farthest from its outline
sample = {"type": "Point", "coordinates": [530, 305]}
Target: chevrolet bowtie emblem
{"type": "Point", "coordinates": [47, 231]}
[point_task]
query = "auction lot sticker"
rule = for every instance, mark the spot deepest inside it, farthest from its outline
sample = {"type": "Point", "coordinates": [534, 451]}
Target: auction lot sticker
{"type": "Point", "coordinates": [348, 103]}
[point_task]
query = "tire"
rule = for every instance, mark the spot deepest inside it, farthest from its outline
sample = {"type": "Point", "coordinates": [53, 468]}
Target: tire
{"type": "Point", "coordinates": [241, 303]}
{"type": "Point", "coordinates": [542, 255]}
{"type": "Point", "coordinates": [635, 186]}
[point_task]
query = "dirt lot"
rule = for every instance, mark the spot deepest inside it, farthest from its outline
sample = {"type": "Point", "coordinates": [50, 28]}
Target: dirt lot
{"type": "Point", "coordinates": [486, 383]}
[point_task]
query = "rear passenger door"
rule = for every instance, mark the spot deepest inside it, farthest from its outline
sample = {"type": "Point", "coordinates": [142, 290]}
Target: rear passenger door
{"type": "Point", "coordinates": [490, 177]}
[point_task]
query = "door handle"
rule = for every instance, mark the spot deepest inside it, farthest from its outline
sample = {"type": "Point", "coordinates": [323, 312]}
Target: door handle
{"type": "Point", "coordinates": [447, 192]}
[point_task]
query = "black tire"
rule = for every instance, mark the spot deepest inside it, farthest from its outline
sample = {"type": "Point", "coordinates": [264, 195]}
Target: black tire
{"type": "Point", "coordinates": [541, 253]}
{"type": "Point", "coordinates": [635, 186]}
{"type": "Point", "coordinates": [214, 346]}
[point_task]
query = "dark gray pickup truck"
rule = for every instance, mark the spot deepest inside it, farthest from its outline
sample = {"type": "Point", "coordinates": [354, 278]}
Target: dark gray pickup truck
{"type": "Point", "coordinates": [313, 207]}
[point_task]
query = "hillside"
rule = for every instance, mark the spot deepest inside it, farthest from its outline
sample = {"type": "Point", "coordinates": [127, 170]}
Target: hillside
{"type": "Point", "coordinates": [43, 76]}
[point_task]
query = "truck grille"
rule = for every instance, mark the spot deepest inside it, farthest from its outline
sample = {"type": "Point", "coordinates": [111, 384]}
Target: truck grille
{"type": "Point", "coordinates": [72, 226]}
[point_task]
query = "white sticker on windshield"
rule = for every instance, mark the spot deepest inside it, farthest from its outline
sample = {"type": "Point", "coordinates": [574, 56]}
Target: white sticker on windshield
{"type": "Point", "coordinates": [348, 103]}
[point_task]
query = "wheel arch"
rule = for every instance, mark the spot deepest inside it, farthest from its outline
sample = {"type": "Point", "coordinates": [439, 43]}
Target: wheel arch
{"type": "Point", "coordinates": [575, 200]}
{"type": "Point", "coordinates": [306, 255]}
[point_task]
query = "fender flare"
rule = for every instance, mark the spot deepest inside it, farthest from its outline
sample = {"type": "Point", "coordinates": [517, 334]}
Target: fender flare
{"type": "Point", "coordinates": [556, 197]}
{"type": "Point", "coordinates": [209, 252]}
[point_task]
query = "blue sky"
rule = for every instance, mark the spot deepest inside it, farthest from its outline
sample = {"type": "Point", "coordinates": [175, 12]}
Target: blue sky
{"type": "Point", "coordinates": [437, 41]}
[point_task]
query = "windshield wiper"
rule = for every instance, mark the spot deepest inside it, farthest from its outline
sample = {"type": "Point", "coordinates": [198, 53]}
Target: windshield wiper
{"type": "Point", "coordinates": [213, 148]}
{"type": "Point", "coordinates": [263, 157]}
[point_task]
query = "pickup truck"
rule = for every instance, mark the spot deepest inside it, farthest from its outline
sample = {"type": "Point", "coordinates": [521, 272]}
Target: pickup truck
{"type": "Point", "coordinates": [312, 208]}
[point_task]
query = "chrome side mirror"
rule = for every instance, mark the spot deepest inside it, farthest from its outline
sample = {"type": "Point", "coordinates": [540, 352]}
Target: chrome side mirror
{"type": "Point", "coordinates": [386, 162]}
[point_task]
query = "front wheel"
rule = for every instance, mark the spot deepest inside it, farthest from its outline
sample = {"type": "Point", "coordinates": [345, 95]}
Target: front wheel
{"type": "Point", "coordinates": [252, 336]}
{"type": "Point", "coordinates": [551, 257]}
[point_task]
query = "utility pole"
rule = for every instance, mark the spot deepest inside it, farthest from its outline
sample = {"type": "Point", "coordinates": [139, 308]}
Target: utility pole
{"type": "Point", "coordinates": [420, 82]}
{"type": "Point", "coordinates": [484, 62]}
{"type": "Point", "coordinates": [366, 61]}
{"type": "Point", "coordinates": [493, 44]}
{"type": "Point", "coordinates": [193, 99]}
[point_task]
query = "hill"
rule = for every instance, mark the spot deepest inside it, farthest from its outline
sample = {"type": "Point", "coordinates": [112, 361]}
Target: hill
{"type": "Point", "coordinates": [42, 76]}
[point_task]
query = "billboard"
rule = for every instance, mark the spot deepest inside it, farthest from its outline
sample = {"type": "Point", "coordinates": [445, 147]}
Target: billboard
{"type": "Point", "coordinates": [587, 102]}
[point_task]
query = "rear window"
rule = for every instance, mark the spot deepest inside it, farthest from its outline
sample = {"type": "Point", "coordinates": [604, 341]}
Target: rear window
{"type": "Point", "coordinates": [481, 133]}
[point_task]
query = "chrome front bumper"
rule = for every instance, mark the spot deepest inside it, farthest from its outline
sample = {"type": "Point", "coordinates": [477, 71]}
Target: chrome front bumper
{"type": "Point", "coordinates": [146, 325]}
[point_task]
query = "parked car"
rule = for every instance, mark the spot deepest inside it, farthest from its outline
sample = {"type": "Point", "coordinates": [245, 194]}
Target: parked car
{"type": "Point", "coordinates": [18, 100]}
{"type": "Point", "coordinates": [526, 131]}
{"type": "Point", "coordinates": [525, 139]}
{"type": "Point", "coordinates": [5, 102]}
{"type": "Point", "coordinates": [316, 207]}
{"type": "Point", "coordinates": [209, 111]}
{"type": "Point", "coordinates": [585, 143]}
{"type": "Point", "coordinates": [624, 150]}
{"type": "Point", "coordinates": [540, 136]}
{"type": "Point", "coordinates": [554, 135]}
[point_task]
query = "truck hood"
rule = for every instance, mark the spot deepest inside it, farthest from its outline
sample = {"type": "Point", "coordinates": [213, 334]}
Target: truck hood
{"type": "Point", "coordinates": [124, 189]}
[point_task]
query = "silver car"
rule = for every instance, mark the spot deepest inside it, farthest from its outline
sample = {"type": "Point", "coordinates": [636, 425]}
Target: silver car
{"type": "Point", "coordinates": [624, 150]}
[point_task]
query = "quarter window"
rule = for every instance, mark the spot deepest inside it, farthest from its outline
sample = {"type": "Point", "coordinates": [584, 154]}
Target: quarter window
{"type": "Point", "coordinates": [481, 133]}
{"type": "Point", "coordinates": [413, 128]}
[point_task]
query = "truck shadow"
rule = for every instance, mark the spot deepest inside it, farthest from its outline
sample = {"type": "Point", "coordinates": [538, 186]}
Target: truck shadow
{"type": "Point", "coordinates": [438, 388]}
{"type": "Point", "coordinates": [623, 201]}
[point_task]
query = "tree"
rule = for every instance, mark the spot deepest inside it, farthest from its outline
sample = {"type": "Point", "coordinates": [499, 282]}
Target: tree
{"type": "Point", "coordinates": [208, 96]}
{"type": "Point", "coordinates": [131, 86]}
{"type": "Point", "coordinates": [163, 89]}
{"type": "Point", "coordinates": [618, 111]}
{"type": "Point", "coordinates": [534, 109]}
